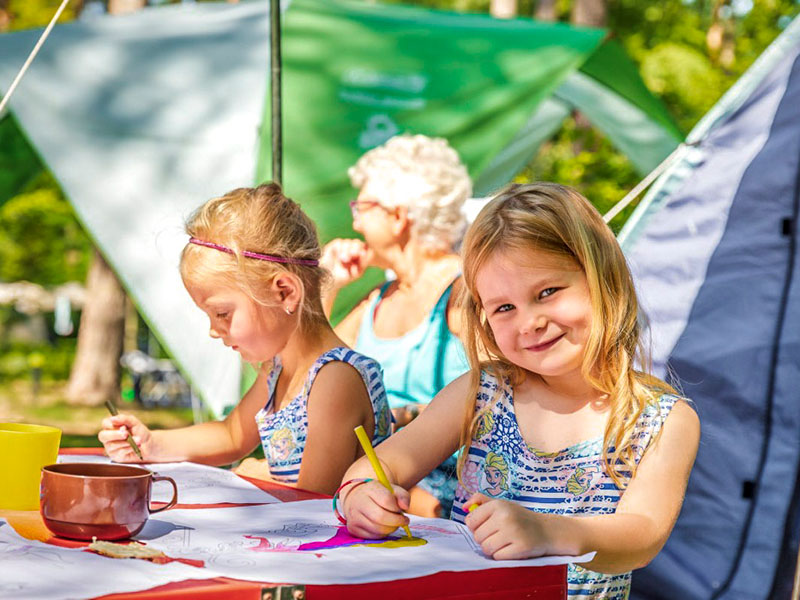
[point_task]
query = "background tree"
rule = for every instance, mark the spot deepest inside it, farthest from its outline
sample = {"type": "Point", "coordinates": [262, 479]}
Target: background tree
{"type": "Point", "coordinates": [503, 9]}
{"type": "Point", "coordinates": [588, 13]}
{"type": "Point", "coordinates": [5, 17]}
{"type": "Point", "coordinates": [95, 372]}
{"type": "Point", "coordinates": [122, 7]}
{"type": "Point", "coordinates": [546, 10]}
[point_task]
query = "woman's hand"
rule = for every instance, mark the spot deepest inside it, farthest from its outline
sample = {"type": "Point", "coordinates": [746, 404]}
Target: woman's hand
{"type": "Point", "coordinates": [403, 415]}
{"type": "Point", "coordinates": [346, 259]}
{"type": "Point", "coordinates": [505, 530]}
{"type": "Point", "coordinates": [372, 511]}
{"type": "Point", "coordinates": [114, 436]}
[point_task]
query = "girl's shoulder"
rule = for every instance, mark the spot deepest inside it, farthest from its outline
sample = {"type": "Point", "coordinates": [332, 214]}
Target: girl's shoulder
{"type": "Point", "coordinates": [662, 404]}
{"type": "Point", "coordinates": [655, 413]}
{"type": "Point", "coordinates": [494, 374]}
{"type": "Point", "coordinates": [341, 359]}
{"type": "Point", "coordinates": [346, 355]}
{"type": "Point", "coordinates": [493, 388]}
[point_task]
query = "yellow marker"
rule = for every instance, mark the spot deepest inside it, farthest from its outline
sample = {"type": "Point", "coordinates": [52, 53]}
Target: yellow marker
{"type": "Point", "coordinates": [376, 465]}
{"type": "Point", "coordinates": [472, 507]}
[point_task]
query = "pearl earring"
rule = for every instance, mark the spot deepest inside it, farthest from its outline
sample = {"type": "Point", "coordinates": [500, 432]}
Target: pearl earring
{"type": "Point", "coordinates": [289, 311]}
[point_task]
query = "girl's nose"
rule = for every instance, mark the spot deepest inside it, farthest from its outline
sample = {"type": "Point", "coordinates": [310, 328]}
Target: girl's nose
{"type": "Point", "coordinates": [534, 321]}
{"type": "Point", "coordinates": [213, 333]}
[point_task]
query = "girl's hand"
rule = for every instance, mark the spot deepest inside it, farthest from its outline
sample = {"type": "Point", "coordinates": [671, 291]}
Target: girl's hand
{"type": "Point", "coordinates": [254, 468]}
{"type": "Point", "coordinates": [372, 512]}
{"type": "Point", "coordinates": [505, 530]}
{"type": "Point", "coordinates": [346, 259]}
{"type": "Point", "coordinates": [114, 436]}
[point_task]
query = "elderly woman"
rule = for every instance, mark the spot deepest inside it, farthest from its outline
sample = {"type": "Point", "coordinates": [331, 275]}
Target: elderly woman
{"type": "Point", "coordinates": [411, 192]}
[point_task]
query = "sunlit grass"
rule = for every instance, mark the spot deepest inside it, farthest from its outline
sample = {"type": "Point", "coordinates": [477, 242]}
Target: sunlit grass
{"type": "Point", "coordinates": [79, 441]}
{"type": "Point", "coordinates": [79, 424]}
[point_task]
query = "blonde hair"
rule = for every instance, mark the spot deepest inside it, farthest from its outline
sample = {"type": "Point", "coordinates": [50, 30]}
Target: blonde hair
{"type": "Point", "coordinates": [557, 220]}
{"type": "Point", "coordinates": [259, 220]}
{"type": "Point", "coordinates": [427, 176]}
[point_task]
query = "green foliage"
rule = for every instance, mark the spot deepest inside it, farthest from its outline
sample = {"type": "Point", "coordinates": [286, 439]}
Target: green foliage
{"type": "Point", "coordinates": [583, 158]}
{"type": "Point", "coordinates": [684, 78]}
{"type": "Point", "coordinates": [641, 26]}
{"type": "Point", "coordinates": [55, 359]}
{"type": "Point", "coordinates": [40, 238]}
{"type": "Point", "coordinates": [756, 30]}
{"type": "Point", "coordinates": [26, 14]}
{"type": "Point", "coordinates": [457, 5]}
{"type": "Point", "coordinates": [19, 164]}
{"type": "Point", "coordinates": [669, 41]}
{"type": "Point", "coordinates": [80, 441]}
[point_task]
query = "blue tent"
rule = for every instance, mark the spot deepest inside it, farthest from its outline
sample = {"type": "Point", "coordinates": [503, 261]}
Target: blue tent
{"type": "Point", "coordinates": [713, 248]}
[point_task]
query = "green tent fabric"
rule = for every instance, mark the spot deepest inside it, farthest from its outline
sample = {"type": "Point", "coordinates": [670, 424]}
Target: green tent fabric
{"type": "Point", "coordinates": [356, 73]}
{"type": "Point", "coordinates": [608, 90]}
{"type": "Point", "coordinates": [143, 117]}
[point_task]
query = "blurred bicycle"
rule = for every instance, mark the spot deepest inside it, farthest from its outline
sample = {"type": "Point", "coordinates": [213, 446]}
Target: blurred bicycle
{"type": "Point", "coordinates": [156, 382]}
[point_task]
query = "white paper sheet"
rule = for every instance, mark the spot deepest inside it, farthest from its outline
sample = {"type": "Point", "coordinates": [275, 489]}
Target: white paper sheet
{"type": "Point", "coordinates": [197, 484]}
{"type": "Point", "coordinates": [266, 543]}
{"type": "Point", "coordinates": [34, 570]}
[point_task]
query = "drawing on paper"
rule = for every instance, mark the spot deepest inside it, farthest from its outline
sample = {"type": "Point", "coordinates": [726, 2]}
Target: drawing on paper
{"type": "Point", "coordinates": [340, 539]}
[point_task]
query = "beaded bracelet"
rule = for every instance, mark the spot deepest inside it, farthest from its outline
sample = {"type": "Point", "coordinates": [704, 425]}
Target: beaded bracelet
{"type": "Point", "coordinates": [357, 482]}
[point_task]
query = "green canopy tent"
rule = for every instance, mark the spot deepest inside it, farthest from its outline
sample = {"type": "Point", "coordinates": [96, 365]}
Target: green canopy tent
{"type": "Point", "coordinates": [143, 117]}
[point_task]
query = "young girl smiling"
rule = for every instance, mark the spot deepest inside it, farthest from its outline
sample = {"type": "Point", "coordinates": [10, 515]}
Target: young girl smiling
{"type": "Point", "coordinates": [566, 447]}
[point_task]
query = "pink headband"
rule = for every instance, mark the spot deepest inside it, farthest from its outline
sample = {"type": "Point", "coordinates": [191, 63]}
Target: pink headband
{"type": "Point", "coordinates": [311, 262]}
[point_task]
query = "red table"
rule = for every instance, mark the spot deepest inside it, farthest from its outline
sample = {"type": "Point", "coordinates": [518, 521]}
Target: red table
{"type": "Point", "coordinates": [539, 583]}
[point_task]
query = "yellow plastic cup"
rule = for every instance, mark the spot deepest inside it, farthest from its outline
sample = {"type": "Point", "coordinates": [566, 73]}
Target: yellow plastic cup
{"type": "Point", "coordinates": [24, 450]}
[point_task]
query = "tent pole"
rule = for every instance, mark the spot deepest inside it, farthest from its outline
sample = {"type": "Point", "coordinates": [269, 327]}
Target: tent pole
{"type": "Point", "coordinates": [32, 55]}
{"type": "Point", "coordinates": [275, 87]}
{"type": "Point", "coordinates": [640, 187]}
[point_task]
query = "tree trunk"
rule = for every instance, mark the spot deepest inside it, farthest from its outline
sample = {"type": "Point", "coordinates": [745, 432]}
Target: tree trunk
{"type": "Point", "coordinates": [503, 9]}
{"type": "Point", "coordinates": [586, 13]}
{"type": "Point", "coordinates": [96, 372]}
{"type": "Point", "coordinates": [545, 11]}
{"type": "Point", "coordinates": [720, 38]}
{"type": "Point", "coordinates": [5, 16]}
{"type": "Point", "coordinates": [589, 13]}
{"type": "Point", "coordinates": [123, 7]}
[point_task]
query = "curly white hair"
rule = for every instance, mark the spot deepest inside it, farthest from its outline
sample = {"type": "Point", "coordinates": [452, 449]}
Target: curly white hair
{"type": "Point", "coordinates": [424, 174]}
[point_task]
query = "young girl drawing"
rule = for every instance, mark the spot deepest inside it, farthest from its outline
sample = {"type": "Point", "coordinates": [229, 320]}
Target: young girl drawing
{"type": "Point", "coordinates": [566, 448]}
{"type": "Point", "coordinates": [251, 265]}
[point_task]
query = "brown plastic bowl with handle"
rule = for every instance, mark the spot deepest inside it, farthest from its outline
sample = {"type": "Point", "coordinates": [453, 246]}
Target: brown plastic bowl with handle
{"type": "Point", "coordinates": [110, 502]}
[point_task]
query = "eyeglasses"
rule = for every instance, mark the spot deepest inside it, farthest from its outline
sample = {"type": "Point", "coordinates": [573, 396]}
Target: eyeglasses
{"type": "Point", "coordinates": [359, 206]}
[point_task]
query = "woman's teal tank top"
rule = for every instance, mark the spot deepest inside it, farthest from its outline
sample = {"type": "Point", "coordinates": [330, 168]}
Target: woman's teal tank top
{"type": "Point", "coordinates": [420, 363]}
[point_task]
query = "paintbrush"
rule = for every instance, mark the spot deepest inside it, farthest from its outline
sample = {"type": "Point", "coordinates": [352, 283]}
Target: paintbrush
{"type": "Point", "coordinates": [114, 412]}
